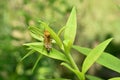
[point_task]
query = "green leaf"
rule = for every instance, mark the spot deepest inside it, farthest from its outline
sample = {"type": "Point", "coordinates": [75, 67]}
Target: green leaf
{"type": "Point", "coordinates": [70, 29]}
{"type": "Point", "coordinates": [55, 54]}
{"type": "Point", "coordinates": [36, 32]}
{"type": "Point", "coordinates": [53, 34]}
{"type": "Point", "coordinates": [68, 66]}
{"type": "Point", "coordinates": [34, 43]}
{"type": "Point", "coordinates": [60, 31]}
{"type": "Point", "coordinates": [90, 77]}
{"type": "Point", "coordinates": [28, 54]}
{"type": "Point", "coordinates": [37, 37]}
{"type": "Point", "coordinates": [40, 56]}
{"type": "Point", "coordinates": [56, 79]}
{"type": "Point", "coordinates": [115, 78]}
{"type": "Point", "coordinates": [106, 59]}
{"type": "Point", "coordinates": [94, 55]}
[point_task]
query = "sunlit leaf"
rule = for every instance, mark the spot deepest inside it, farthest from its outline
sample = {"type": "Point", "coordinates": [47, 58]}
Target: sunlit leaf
{"type": "Point", "coordinates": [53, 34]}
{"type": "Point", "coordinates": [115, 78]}
{"type": "Point", "coordinates": [34, 43]}
{"type": "Point", "coordinates": [90, 77]}
{"type": "Point", "coordinates": [70, 29]}
{"type": "Point", "coordinates": [61, 30]}
{"type": "Point", "coordinates": [106, 59]}
{"type": "Point", "coordinates": [56, 79]}
{"type": "Point", "coordinates": [37, 37]}
{"type": "Point", "coordinates": [55, 54]}
{"type": "Point", "coordinates": [36, 32]}
{"type": "Point", "coordinates": [94, 55]}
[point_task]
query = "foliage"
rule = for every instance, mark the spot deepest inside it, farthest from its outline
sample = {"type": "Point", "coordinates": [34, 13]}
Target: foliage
{"type": "Point", "coordinates": [66, 45]}
{"type": "Point", "coordinates": [97, 21]}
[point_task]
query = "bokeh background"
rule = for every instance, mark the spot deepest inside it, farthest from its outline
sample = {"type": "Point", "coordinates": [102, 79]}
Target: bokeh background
{"type": "Point", "coordinates": [96, 20]}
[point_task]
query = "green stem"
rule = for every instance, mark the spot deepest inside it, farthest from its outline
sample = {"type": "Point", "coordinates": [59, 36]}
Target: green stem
{"type": "Point", "coordinates": [80, 75]}
{"type": "Point", "coordinates": [73, 64]}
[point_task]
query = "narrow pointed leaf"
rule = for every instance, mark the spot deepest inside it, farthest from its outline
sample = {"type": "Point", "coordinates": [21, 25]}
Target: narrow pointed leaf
{"type": "Point", "coordinates": [55, 54]}
{"type": "Point", "coordinates": [53, 34]}
{"type": "Point", "coordinates": [107, 60]}
{"type": "Point", "coordinates": [61, 30]}
{"type": "Point", "coordinates": [70, 29]}
{"type": "Point", "coordinates": [94, 55]}
{"type": "Point", "coordinates": [34, 43]}
{"type": "Point", "coordinates": [40, 56]}
{"type": "Point", "coordinates": [116, 78]}
{"type": "Point", "coordinates": [28, 54]}
{"type": "Point", "coordinates": [56, 79]}
{"type": "Point", "coordinates": [36, 32]}
{"type": "Point", "coordinates": [90, 77]}
{"type": "Point", "coordinates": [37, 37]}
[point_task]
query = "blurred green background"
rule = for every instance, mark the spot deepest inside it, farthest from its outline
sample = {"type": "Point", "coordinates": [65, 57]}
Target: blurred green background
{"type": "Point", "coordinates": [97, 21]}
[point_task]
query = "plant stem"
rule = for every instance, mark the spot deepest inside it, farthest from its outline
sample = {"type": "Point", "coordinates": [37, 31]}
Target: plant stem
{"type": "Point", "coordinates": [73, 64]}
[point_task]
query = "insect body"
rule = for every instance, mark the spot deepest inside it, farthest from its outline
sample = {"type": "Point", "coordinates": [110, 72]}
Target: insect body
{"type": "Point", "coordinates": [47, 41]}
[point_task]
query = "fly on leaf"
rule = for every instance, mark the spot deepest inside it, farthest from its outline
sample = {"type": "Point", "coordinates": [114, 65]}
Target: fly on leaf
{"type": "Point", "coordinates": [47, 41]}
